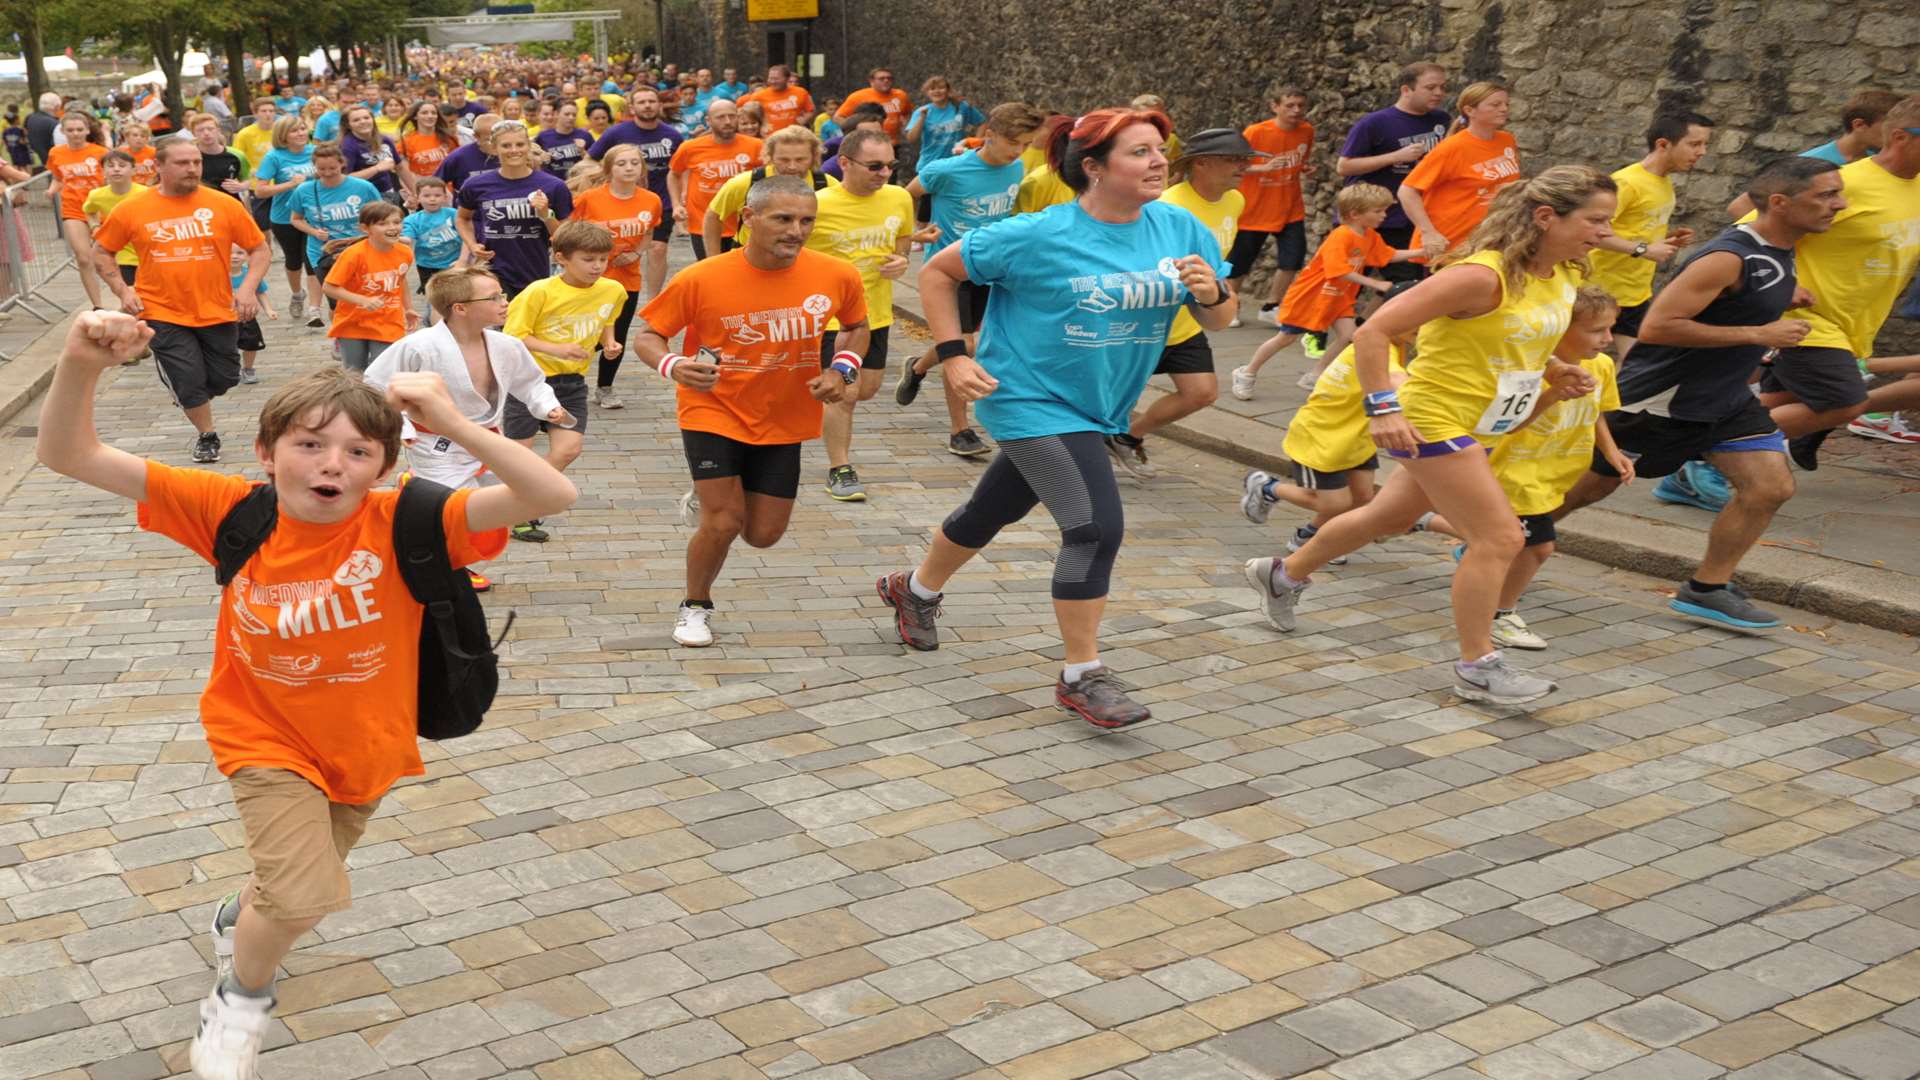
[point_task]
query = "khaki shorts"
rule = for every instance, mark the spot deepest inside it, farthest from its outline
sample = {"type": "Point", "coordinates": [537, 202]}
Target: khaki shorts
{"type": "Point", "coordinates": [299, 843]}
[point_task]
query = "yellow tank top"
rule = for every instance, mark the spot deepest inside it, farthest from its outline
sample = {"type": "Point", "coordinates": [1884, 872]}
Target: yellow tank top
{"type": "Point", "coordinates": [1481, 376]}
{"type": "Point", "coordinates": [1329, 433]}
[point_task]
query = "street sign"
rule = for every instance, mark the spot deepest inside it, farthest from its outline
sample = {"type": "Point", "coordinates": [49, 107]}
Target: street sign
{"type": "Point", "coordinates": [768, 10]}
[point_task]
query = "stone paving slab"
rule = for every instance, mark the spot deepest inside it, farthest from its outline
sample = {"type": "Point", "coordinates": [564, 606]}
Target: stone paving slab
{"type": "Point", "coordinates": [807, 853]}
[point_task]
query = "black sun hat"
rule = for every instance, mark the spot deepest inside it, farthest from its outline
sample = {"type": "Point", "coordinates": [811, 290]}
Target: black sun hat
{"type": "Point", "coordinates": [1218, 142]}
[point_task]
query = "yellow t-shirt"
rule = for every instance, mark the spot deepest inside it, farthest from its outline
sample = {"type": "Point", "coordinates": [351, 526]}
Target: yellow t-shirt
{"type": "Point", "coordinates": [388, 126]}
{"type": "Point", "coordinates": [1538, 464]}
{"type": "Point", "coordinates": [1473, 375]}
{"type": "Point", "coordinates": [1033, 157]}
{"type": "Point", "coordinates": [618, 103]}
{"type": "Point", "coordinates": [1329, 433]}
{"type": "Point", "coordinates": [1042, 188]}
{"type": "Point", "coordinates": [100, 202]}
{"type": "Point", "coordinates": [1221, 219]}
{"type": "Point", "coordinates": [1857, 269]}
{"type": "Point", "coordinates": [864, 230]}
{"type": "Point", "coordinates": [1645, 207]}
{"type": "Point", "coordinates": [253, 142]}
{"type": "Point", "coordinates": [553, 310]}
{"type": "Point", "coordinates": [732, 196]}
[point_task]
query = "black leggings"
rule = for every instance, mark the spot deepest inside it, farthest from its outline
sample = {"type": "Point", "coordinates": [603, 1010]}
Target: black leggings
{"type": "Point", "coordinates": [293, 245]}
{"type": "Point", "coordinates": [610, 366]}
{"type": "Point", "coordinates": [1073, 476]}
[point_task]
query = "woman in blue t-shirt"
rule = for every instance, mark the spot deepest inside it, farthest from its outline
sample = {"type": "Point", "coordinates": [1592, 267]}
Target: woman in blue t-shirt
{"type": "Point", "coordinates": [1083, 296]}
{"type": "Point", "coordinates": [942, 122]}
{"type": "Point", "coordinates": [285, 167]}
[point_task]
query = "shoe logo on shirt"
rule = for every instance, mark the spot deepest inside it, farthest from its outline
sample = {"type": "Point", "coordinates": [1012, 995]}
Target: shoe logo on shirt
{"type": "Point", "coordinates": [745, 334]}
{"type": "Point", "coordinates": [1098, 302]}
{"type": "Point", "coordinates": [1766, 271]}
{"type": "Point", "coordinates": [1169, 270]}
{"type": "Point", "coordinates": [361, 567]}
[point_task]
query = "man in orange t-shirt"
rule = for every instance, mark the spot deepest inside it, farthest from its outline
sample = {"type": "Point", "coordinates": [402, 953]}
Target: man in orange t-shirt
{"type": "Point", "coordinates": [368, 282]}
{"type": "Point", "coordinates": [880, 91]}
{"type": "Point", "coordinates": [1275, 206]}
{"type": "Point", "coordinates": [748, 401]}
{"type": "Point", "coordinates": [184, 235]}
{"type": "Point", "coordinates": [783, 102]}
{"type": "Point", "coordinates": [702, 166]}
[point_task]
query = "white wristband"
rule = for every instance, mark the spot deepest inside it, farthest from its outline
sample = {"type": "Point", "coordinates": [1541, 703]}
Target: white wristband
{"type": "Point", "coordinates": [848, 361]}
{"type": "Point", "coordinates": [667, 364]}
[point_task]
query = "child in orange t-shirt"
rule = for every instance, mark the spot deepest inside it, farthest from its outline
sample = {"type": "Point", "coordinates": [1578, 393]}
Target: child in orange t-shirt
{"type": "Point", "coordinates": [310, 706]}
{"type": "Point", "coordinates": [369, 282]}
{"type": "Point", "coordinates": [1327, 292]}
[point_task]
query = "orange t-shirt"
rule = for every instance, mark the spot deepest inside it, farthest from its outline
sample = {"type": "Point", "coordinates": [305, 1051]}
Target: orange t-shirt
{"type": "Point", "coordinates": [766, 326]}
{"type": "Point", "coordinates": [1317, 297]}
{"type": "Point", "coordinates": [782, 107]}
{"type": "Point", "coordinates": [184, 244]}
{"type": "Point", "coordinates": [146, 166]}
{"type": "Point", "coordinates": [895, 102]}
{"type": "Point", "coordinates": [1273, 198]}
{"type": "Point", "coordinates": [709, 165]}
{"type": "Point", "coordinates": [1458, 178]}
{"type": "Point", "coordinates": [78, 172]}
{"type": "Point", "coordinates": [369, 272]}
{"type": "Point", "coordinates": [424, 153]}
{"type": "Point", "coordinates": [316, 658]}
{"type": "Point", "coordinates": [631, 221]}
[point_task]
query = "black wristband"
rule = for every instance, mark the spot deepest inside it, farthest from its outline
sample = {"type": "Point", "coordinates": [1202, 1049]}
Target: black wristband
{"type": "Point", "coordinates": [1218, 300]}
{"type": "Point", "coordinates": [947, 350]}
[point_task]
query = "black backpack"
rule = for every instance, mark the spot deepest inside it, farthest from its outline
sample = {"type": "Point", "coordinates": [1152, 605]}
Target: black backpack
{"type": "Point", "coordinates": [459, 672]}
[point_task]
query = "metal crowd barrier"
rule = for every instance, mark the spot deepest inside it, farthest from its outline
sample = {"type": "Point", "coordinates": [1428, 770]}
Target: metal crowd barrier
{"type": "Point", "coordinates": [35, 252]}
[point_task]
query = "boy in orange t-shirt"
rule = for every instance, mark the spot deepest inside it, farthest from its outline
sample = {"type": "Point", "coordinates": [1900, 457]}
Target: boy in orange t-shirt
{"type": "Point", "coordinates": [1275, 206]}
{"type": "Point", "coordinates": [310, 706]}
{"type": "Point", "coordinates": [1326, 294]}
{"type": "Point", "coordinates": [748, 401]}
{"type": "Point", "coordinates": [368, 282]}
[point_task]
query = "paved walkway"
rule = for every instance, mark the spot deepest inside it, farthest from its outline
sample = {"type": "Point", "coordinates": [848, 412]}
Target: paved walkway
{"type": "Point", "coordinates": [808, 853]}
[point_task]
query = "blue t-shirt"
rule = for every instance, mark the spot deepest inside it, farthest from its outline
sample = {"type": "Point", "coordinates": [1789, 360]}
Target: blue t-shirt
{"type": "Point", "coordinates": [1079, 315]}
{"type": "Point", "coordinates": [944, 126]}
{"type": "Point", "coordinates": [1827, 151]}
{"type": "Point", "coordinates": [327, 128]}
{"type": "Point", "coordinates": [505, 223]}
{"type": "Point", "coordinates": [463, 162]}
{"type": "Point", "coordinates": [436, 243]}
{"type": "Point", "coordinates": [657, 143]}
{"type": "Point", "coordinates": [240, 279]}
{"type": "Point", "coordinates": [278, 166]}
{"type": "Point", "coordinates": [335, 209]}
{"type": "Point", "coordinates": [732, 91]}
{"type": "Point", "coordinates": [563, 151]}
{"type": "Point", "coordinates": [969, 194]}
{"type": "Point", "coordinates": [361, 156]}
{"type": "Point", "coordinates": [1383, 132]}
{"type": "Point", "coordinates": [17, 147]}
{"type": "Point", "coordinates": [287, 103]}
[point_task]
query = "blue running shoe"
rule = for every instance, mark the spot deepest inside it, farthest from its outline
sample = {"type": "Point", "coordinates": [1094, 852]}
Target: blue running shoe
{"type": "Point", "coordinates": [1709, 483]}
{"type": "Point", "coordinates": [1729, 607]}
{"type": "Point", "coordinates": [1676, 488]}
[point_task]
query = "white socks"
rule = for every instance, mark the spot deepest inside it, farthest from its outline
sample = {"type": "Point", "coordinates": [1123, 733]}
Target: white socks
{"type": "Point", "coordinates": [919, 590]}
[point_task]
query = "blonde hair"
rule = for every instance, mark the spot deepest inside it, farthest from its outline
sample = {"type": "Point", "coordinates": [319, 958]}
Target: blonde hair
{"type": "Point", "coordinates": [1509, 229]}
{"type": "Point", "coordinates": [1149, 101]}
{"type": "Point", "coordinates": [1473, 95]}
{"type": "Point", "coordinates": [581, 236]}
{"type": "Point", "coordinates": [1591, 300]}
{"type": "Point", "coordinates": [792, 133]}
{"type": "Point", "coordinates": [286, 124]}
{"type": "Point", "coordinates": [586, 175]}
{"type": "Point", "coordinates": [1361, 198]}
{"type": "Point", "coordinates": [331, 391]}
{"type": "Point", "coordinates": [454, 285]}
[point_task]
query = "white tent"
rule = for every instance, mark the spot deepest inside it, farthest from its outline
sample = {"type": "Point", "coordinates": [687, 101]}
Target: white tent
{"type": "Point", "coordinates": [192, 66]}
{"type": "Point", "coordinates": [15, 70]}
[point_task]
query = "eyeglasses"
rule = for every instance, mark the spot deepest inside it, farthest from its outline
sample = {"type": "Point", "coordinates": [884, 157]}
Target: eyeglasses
{"type": "Point", "coordinates": [491, 298]}
{"type": "Point", "coordinates": [876, 166]}
{"type": "Point", "coordinates": [1911, 131]}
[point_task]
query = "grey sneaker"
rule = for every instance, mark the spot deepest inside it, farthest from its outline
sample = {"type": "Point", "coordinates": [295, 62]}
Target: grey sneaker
{"type": "Point", "coordinates": [1276, 600]}
{"type": "Point", "coordinates": [690, 509]}
{"type": "Point", "coordinates": [913, 618]}
{"type": "Point", "coordinates": [1253, 496]}
{"type": "Point", "coordinates": [248, 376]}
{"type": "Point", "coordinates": [908, 387]}
{"type": "Point", "coordinates": [606, 398]}
{"type": "Point", "coordinates": [1098, 698]}
{"type": "Point", "coordinates": [1131, 454]}
{"type": "Point", "coordinates": [316, 323]}
{"type": "Point", "coordinates": [1491, 679]}
{"type": "Point", "coordinates": [221, 930]}
{"type": "Point", "coordinates": [965, 443]}
{"type": "Point", "coordinates": [1512, 631]}
{"type": "Point", "coordinates": [297, 306]}
{"type": "Point", "coordinates": [844, 484]}
{"type": "Point", "coordinates": [206, 447]}
{"type": "Point", "coordinates": [1729, 607]}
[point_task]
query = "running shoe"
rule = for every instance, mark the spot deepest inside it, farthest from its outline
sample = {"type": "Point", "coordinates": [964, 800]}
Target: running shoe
{"type": "Point", "coordinates": [1421, 523]}
{"type": "Point", "coordinates": [1459, 552]}
{"type": "Point", "coordinates": [1243, 384]}
{"type": "Point", "coordinates": [1710, 483]}
{"type": "Point", "coordinates": [479, 581]}
{"type": "Point", "coordinates": [913, 618]}
{"type": "Point", "coordinates": [1235, 324]}
{"type": "Point", "coordinates": [1270, 315]}
{"type": "Point", "coordinates": [1492, 679]}
{"type": "Point", "coordinates": [844, 484]}
{"type": "Point", "coordinates": [1730, 607]}
{"type": "Point", "coordinates": [1678, 487]}
{"type": "Point", "coordinates": [1307, 379]}
{"type": "Point", "coordinates": [1276, 600]}
{"type": "Point", "coordinates": [1891, 427]}
{"type": "Point", "coordinates": [1805, 449]}
{"type": "Point", "coordinates": [227, 1046]}
{"type": "Point", "coordinates": [248, 376]}
{"type": "Point", "coordinates": [297, 306]}
{"type": "Point", "coordinates": [1253, 496]}
{"type": "Point", "coordinates": [607, 398]}
{"type": "Point", "coordinates": [316, 323]}
{"type": "Point", "coordinates": [1098, 698]}
{"type": "Point", "coordinates": [1299, 540]}
{"type": "Point", "coordinates": [690, 509]}
{"type": "Point", "coordinates": [908, 387]}
{"type": "Point", "coordinates": [206, 447]}
{"type": "Point", "coordinates": [1511, 630]}
{"type": "Point", "coordinates": [1131, 454]}
{"type": "Point", "coordinates": [965, 443]}
{"type": "Point", "coordinates": [1314, 345]}
{"type": "Point", "coordinates": [530, 531]}
{"type": "Point", "coordinates": [690, 626]}
{"type": "Point", "coordinates": [221, 931]}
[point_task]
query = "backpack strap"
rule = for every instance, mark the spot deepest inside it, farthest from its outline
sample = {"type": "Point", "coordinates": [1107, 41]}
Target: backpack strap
{"type": "Point", "coordinates": [420, 541]}
{"type": "Point", "coordinates": [243, 530]}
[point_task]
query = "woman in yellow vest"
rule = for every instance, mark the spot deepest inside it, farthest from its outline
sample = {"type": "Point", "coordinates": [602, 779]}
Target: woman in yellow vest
{"type": "Point", "coordinates": [1487, 324]}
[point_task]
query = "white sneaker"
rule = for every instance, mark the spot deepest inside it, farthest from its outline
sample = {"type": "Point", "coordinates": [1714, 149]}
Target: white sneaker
{"type": "Point", "coordinates": [1307, 379]}
{"type": "Point", "coordinates": [1271, 316]}
{"type": "Point", "coordinates": [1511, 630]}
{"type": "Point", "coordinates": [606, 398]}
{"type": "Point", "coordinates": [1235, 324]}
{"type": "Point", "coordinates": [297, 306]}
{"type": "Point", "coordinates": [1890, 428]}
{"type": "Point", "coordinates": [222, 935]}
{"type": "Point", "coordinates": [690, 627]}
{"type": "Point", "coordinates": [227, 1046]}
{"type": "Point", "coordinates": [1243, 384]}
{"type": "Point", "coordinates": [690, 509]}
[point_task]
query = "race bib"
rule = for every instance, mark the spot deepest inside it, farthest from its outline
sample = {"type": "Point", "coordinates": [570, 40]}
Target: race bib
{"type": "Point", "coordinates": [1512, 401]}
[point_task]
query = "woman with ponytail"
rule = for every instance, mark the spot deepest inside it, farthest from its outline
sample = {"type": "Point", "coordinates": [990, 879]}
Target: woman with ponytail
{"type": "Point", "coordinates": [1083, 297]}
{"type": "Point", "coordinates": [1448, 193]}
{"type": "Point", "coordinates": [1487, 322]}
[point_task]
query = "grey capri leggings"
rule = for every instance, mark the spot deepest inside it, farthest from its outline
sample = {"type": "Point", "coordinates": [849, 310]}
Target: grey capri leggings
{"type": "Point", "coordinates": [1073, 476]}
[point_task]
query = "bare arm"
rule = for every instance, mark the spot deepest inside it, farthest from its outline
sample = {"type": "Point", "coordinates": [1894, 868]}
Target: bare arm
{"type": "Point", "coordinates": [68, 443]}
{"type": "Point", "coordinates": [1671, 319]}
{"type": "Point", "coordinates": [1455, 292]}
{"type": "Point", "coordinates": [528, 488]}
{"type": "Point", "coordinates": [677, 195]}
{"type": "Point", "coordinates": [916, 189]}
{"type": "Point", "coordinates": [109, 271]}
{"type": "Point", "coordinates": [710, 232]}
{"type": "Point", "coordinates": [1416, 208]}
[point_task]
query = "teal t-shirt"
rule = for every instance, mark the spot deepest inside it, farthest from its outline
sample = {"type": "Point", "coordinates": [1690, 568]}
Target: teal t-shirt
{"type": "Point", "coordinates": [1828, 151]}
{"type": "Point", "coordinates": [335, 209]}
{"type": "Point", "coordinates": [279, 166]}
{"type": "Point", "coordinates": [1079, 314]}
{"type": "Point", "coordinates": [969, 194]}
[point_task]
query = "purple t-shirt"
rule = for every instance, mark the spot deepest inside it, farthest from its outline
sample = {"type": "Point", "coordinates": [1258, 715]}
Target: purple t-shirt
{"type": "Point", "coordinates": [464, 162]}
{"type": "Point", "coordinates": [472, 108]}
{"type": "Point", "coordinates": [563, 151]}
{"type": "Point", "coordinates": [360, 156]}
{"type": "Point", "coordinates": [1383, 132]}
{"type": "Point", "coordinates": [506, 224]}
{"type": "Point", "coordinates": [657, 143]}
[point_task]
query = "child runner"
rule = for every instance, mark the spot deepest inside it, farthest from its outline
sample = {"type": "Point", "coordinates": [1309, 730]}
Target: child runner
{"type": "Point", "coordinates": [368, 283]}
{"type": "Point", "coordinates": [251, 340]}
{"type": "Point", "coordinates": [430, 230]}
{"type": "Point", "coordinates": [628, 209]}
{"type": "Point", "coordinates": [117, 167]}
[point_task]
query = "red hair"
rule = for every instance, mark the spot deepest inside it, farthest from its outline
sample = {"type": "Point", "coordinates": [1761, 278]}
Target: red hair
{"type": "Point", "coordinates": [1070, 142]}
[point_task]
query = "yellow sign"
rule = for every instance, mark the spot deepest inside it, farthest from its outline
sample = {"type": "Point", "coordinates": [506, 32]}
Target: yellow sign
{"type": "Point", "coordinates": [770, 10]}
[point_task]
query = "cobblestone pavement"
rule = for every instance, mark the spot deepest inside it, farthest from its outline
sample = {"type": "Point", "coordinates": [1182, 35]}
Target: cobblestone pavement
{"type": "Point", "coordinates": [807, 853]}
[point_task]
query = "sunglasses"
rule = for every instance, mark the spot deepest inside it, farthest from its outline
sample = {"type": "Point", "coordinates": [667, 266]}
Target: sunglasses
{"type": "Point", "coordinates": [876, 166]}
